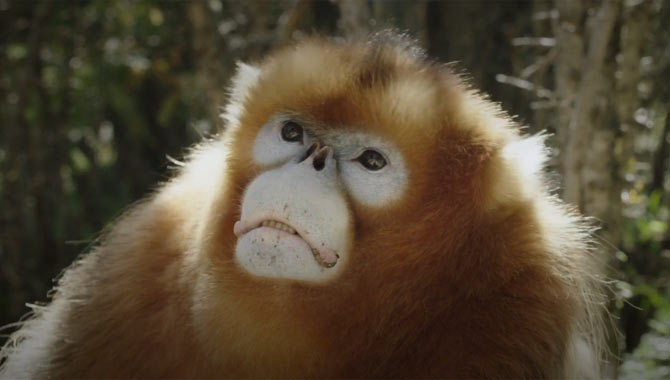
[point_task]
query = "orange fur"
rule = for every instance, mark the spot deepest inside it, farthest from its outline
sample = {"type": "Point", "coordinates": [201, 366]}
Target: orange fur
{"type": "Point", "coordinates": [476, 272]}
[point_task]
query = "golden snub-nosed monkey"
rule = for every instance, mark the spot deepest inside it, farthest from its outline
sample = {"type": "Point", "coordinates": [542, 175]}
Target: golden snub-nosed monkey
{"type": "Point", "coordinates": [364, 214]}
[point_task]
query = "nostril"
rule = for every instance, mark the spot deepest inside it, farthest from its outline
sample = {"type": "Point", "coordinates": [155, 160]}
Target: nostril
{"type": "Point", "coordinates": [320, 158]}
{"type": "Point", "coordinates": [309, 151]}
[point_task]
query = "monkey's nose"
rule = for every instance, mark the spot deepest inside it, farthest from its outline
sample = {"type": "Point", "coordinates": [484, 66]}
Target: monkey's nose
{"type": "Point", "coordinates": [321, 156]}
{"type": "Point", "coordinates": [312, 148]}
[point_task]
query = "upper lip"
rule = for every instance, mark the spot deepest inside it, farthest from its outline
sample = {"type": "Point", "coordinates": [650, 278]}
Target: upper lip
{"type": "Point", "coordinates": [242, 226]}
{"type": "Point", "coordinates": [324, 256]}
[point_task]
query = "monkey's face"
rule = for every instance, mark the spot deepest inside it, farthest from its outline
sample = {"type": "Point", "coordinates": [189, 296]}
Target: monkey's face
{"type": "Point", "coordinates": [342, 165]}
{"type": "Point", "coordinates": [296, 220]}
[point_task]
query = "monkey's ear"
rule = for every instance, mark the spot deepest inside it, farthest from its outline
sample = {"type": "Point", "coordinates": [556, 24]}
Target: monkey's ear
{"type": "Point", "coordinates": [517, 171]}
{"type": "Point", "coordinates": [244, 79]}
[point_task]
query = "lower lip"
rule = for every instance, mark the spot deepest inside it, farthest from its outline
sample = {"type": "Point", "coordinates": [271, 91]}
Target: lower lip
{"type": "Point", "coordinates": [268, 252]}
{"type": "Point", "coordinates": [269, 237]}
{"type": "Point", "coordinates": [298, 240]}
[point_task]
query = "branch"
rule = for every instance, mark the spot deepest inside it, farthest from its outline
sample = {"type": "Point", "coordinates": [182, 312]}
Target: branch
{"type": "Point", "coordinates": [540, 64]}
{"type": "Point", "coordinates": [534, 41]}
{"type": "Point", "coordinates": [659, 167]}
{"type": "Point", "coordinates": [523, 84]}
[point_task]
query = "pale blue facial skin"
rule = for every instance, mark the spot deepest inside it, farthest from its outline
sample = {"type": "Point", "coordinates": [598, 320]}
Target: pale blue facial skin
{"type": "Point", "coordinates": [370, 188]}
{"type": "Point", "coordinates": [310, 202]}
{"type": "Point", "coordinates": [311, 199]}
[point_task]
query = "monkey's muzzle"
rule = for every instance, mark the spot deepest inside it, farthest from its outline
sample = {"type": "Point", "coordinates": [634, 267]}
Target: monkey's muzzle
{"type": "Point", "coordinates": [324, 256]}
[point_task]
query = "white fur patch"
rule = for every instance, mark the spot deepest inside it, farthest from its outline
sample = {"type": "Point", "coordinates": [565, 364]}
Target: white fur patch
{"type": "Point", "coordinates": [243, 80]}
{"type": "Point", "coordinates": [527, 156]}
{"type": "Point", "coordinates": [581, 361]}
{"type": "Point", "coordinates": [37, 337]}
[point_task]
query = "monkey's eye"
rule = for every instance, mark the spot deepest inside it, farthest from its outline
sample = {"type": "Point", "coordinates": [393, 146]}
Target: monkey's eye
{"type": "Point", "coordinates": [372, 160]}
{"type": "Point", "coordinates": [291, 132]}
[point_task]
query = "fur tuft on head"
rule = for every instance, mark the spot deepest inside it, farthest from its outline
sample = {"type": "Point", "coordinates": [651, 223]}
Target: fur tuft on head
{"type": "Point", "coordinates": [245, 77]}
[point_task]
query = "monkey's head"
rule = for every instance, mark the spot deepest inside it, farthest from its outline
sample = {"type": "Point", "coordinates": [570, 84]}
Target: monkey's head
{"type": "Point", "coordinates": [361, 175]}
{"type": "Point", "coordinates": [349, 154]}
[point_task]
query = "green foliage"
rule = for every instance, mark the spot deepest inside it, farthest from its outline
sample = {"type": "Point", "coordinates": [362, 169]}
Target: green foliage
{"type": "Point", "coordinates": [646, 269]}
{"type": "Point", "coordinates": [97, 95]}
{"type": "Point", "coordinates": [651, 359]}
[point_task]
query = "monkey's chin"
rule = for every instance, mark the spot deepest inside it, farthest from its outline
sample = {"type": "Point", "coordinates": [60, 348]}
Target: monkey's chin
{"type": "Point", "coordinates": [268, 252]}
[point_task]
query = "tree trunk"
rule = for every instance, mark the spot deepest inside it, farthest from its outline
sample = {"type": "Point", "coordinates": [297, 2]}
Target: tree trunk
{"type": "Point", "coordinates": [584, 129]}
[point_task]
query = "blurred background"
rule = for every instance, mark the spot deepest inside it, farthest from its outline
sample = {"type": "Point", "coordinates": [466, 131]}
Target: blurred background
{"type": "Point", "coordinates": [97, 98]}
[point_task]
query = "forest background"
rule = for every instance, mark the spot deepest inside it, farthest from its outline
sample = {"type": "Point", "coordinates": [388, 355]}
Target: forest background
{"type": "Point", "coordinates": [98, 98]}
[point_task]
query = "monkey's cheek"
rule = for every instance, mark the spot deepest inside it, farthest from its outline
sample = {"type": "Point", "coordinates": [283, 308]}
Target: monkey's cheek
{"type": "Point", "coordinates": [266, 252]}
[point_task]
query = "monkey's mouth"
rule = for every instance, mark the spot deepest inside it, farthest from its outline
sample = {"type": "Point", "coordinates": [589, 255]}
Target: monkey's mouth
{"type": "Point", "coordinates": [325, 257]}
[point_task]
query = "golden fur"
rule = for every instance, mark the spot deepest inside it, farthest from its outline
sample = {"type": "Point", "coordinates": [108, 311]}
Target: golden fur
{"type": "Point", "coordinates": [476, 272]}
